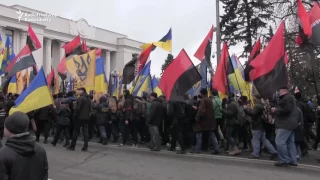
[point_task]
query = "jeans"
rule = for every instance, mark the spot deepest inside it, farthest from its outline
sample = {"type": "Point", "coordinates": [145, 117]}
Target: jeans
{"type": "Point", "coordinates": [285, 146]}
{"type": "Point", "coordinates": [258, 138]}
{"type": "Point", "coordinates": [213, 138]}
{"type": "Point", "coordinates": [155, 137]}
{"type": "Point", "coordinates": [77, 125]}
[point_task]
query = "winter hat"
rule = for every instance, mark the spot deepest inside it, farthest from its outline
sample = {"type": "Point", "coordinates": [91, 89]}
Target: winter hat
{"type": "Point", "coordinates": [17, 123]}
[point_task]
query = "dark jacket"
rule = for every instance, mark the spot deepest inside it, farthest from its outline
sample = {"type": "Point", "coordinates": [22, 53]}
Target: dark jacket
{"type": "Point", "coordinates": [231, 114]}
{"type": "Point", "coordinates": [57, 103]}
{"type": "Point", "coordinates": [176, 112]}
{"type": "Point", "coordinates": [156, 113]}
{"type": "Point", "coordinates": [23, 159]}
{"type": "Point", "coordinates": [205, 120]}
{"type": "Point", "coordinates": [45, 114]}
{"type": "Point", "coordinates": [256, 115]}
{"type": "Point", "coordinates": [103, 112]}
{"type": "Point", "coordinates": [128, 108]}
{"type": "Point", "coordinates": [83, 107]}
{"type": "Point", "coordinates": [299, 136]}
{"type": "Point", "coordinates": [286, 114]}
{"type": "Point", "coordinates": [8, 105]}
{"type": "Point", "coordinates": [63, 116]}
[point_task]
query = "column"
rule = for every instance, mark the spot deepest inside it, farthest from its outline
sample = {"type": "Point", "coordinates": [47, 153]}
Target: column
{"type": "Point", "coordinates": [107, 63]}
{"type": "Point", "coordinates": [47, 60]}
{"type": "Point", "coordinates": [23, 39]}
{"type": "Point", "coordinates": [62, 52]}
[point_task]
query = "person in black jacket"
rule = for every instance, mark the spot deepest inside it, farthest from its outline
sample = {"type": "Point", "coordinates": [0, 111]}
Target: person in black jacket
{"type": "Point", "coordinates": [43, 117]}
{"type": "Point", "coordinates": [176, 111]}
{"type": "Point", "coordinates": [259, 134]}
{"type": "Point", "coordinates": [286, 121]}
{"type": "Point", "coordinates": [63, 122]}
{"type": "Point", "coordinates": [231, 115]}
{"type": "Point", "coordinates": [154, 121]}
{"type": "Point", "coordinates": [82, 116]}
{"type": "Point", "coordinates": [103, 118]}
{"type": "Point", "coordinates": [21, 158]}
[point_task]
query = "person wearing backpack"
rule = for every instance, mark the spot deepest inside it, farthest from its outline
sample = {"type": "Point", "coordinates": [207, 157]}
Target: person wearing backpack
{"type": "Point", "coordinates": [259, 134]}
{"type": "Point", "coordinates": [217, 105]}
{"type": "Point", "coordinates": [231, 115]}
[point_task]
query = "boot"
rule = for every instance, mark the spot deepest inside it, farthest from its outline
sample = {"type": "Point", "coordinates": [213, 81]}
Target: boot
{"type": "Point", "coordinates": [105, 142]}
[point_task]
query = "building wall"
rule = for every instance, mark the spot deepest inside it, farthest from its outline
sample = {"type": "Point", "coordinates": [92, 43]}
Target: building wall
{"type": "Point", "coordinates": [117, 48]}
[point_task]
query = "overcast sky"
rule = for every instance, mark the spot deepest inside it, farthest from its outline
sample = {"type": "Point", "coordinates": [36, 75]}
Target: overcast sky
{"type": "Point", "coordinates": [142, 20]}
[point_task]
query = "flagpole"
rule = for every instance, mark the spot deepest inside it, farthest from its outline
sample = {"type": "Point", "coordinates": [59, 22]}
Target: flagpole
{"type": "Point", "coordinates": [218, 31]}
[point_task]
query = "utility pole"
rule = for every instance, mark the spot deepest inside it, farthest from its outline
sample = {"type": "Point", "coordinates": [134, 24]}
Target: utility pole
{"type": "Point", "coordinates": [217, 29]}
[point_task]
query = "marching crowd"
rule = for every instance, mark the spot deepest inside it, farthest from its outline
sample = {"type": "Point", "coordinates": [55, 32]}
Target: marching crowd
{"type": "Point", "coordinates": [281, 126]}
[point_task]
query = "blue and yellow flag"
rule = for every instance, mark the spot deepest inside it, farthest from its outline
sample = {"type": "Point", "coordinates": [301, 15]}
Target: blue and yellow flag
{"type": "Point", "coordinates": [119, 86]}
{"type": "Point", "coordinates": [100, 86]}
{"type": "Point", "coordinates": [8, 55]}
{"type": "Point", "coordinates": [83, 68]}
{"type": "Point", "coordinates": [164, 43]}
{"type": "Point", "coordinates": [143, 83]}
{"type": "Point", "coordinates": [37, 95]}
{"type": "Point", "coordinates": [12, 87]}
{"type": "Point", "coordinates": [115, 85]}
{"type": "Point", "coordinates": [155, 87]}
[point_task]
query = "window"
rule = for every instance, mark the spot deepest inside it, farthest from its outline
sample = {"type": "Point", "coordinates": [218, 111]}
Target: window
{"type": "Point", "coordinates": [9, 33]}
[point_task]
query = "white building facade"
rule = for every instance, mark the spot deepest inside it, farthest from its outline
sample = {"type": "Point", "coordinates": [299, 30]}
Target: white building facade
{"type": "Point", "coordinates": [117, 49]}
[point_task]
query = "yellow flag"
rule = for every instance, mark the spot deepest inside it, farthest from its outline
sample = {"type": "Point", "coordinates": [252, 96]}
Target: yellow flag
{"type": "Point", "coordinates": [83, 68]}
{"type": "Point", "coordinates": [20, 82]}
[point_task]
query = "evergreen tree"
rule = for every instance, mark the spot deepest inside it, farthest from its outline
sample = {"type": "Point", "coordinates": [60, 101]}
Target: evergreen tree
{"type": "Point", "coordinates": [166, 63]}
{"type": "Point", "coordinates": [243, 22]}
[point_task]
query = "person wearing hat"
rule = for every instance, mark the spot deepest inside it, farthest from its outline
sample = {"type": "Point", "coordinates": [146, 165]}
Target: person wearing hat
{"type": "Point", "coordinates": [21, 158]}
{"type": "Point", "coordinates": [81, 119]}
{"type": "Point", "coordinates": [286, 121]}
{"type": "Point", "coordinates": [154, 121]}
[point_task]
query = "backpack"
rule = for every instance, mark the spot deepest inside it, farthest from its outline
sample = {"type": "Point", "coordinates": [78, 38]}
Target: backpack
{"type": "Point", "coordinates": [137, 106]}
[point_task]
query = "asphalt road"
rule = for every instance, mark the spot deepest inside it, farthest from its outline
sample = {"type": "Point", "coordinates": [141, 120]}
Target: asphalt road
{"type": "Point", "coordinates": [115, 163]}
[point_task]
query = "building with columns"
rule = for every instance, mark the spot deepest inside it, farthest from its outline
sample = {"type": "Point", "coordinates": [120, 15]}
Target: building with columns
{"type": "Point", "coordinates": [54, 31]}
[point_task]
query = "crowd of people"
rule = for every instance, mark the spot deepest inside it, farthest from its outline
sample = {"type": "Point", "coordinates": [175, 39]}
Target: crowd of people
{"type": "Point", "coordinates": [281, 126]}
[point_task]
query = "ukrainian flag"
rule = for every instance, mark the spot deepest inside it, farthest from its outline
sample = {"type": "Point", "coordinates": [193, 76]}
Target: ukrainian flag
{"type": "Point", "coordinates": [8, 55]}
{"type": "Point", "coordinates": [155, 87]}
{"type": "Point", "coordinates": [115, 86]}
{"type": "Point", "coordinates": [144, 81]}
{"type": "Point", "coordinates": [12, 87]}
{"type": "Point", "coordinates": [106, 83]}
{"type": "Point", "coordinates": [164, 43]}
{"type": "Point", "coordinates": [100, 86]}
{"type": "Point", "coordinates": [1, 57]}
{"type": "Point", "coordinates": [37, 95]}
{"type": "Point", "coordinates": [119, 86]}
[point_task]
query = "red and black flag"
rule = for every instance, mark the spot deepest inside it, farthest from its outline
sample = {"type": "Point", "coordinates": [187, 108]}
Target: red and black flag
{"type": "Point", "coordinates": [62, 69]}
{"type": "Point", "coordinates": [314, 16]}
{"type": "Point", "coordinates": [179, 77]}
{"type": "Point", "coordinates": [204, 50]}
{"type": "Point", "coordinates": [32, 40]}
{"type": "Point", "coordinates": [50, 78]}
{"type": "Point", "coordinates": [269, 71]}
{"type": "Point", "coordinates": [73, 47]}
{"type": "Point", "coordinates": [22, 61]}
{"type": "Point", "coordinates": [220, 77]}
{"type": "Point", "coordinates": [129, 70]}
{"type": "Point", "coordinates": [254, 53]}
{"type": "Point", "coordinates": [84, 47]}
{"type": "Point", "coordinates": [143, 58]}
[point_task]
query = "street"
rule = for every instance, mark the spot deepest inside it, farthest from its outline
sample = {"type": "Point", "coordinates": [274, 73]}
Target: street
{"type": "Point", "coordinates": [125, 163]}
